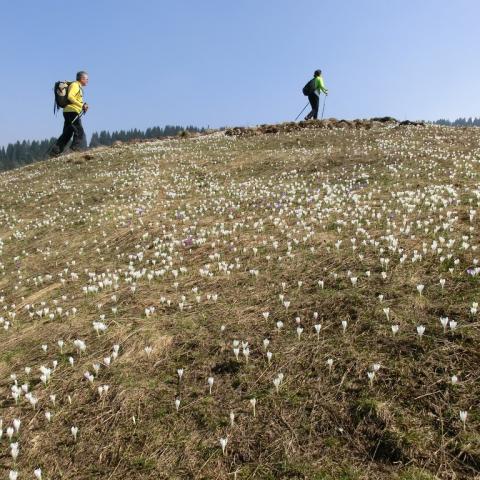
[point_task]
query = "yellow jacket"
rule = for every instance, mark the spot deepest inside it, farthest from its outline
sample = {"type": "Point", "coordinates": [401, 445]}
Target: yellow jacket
{"type": "Point", "coordinates": [75, 98]}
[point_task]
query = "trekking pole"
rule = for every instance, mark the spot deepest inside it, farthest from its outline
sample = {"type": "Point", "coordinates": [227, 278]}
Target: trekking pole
{"type": "Point", "coordinates": [323, 109]}
{"type": "Point", "coordinates": [302, 111]}
{"type": "Point", "coordinates": [78, 116]}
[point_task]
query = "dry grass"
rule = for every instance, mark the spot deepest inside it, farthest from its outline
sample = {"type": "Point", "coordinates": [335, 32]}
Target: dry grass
{"type": "Point", "coordinates": [213, 200]}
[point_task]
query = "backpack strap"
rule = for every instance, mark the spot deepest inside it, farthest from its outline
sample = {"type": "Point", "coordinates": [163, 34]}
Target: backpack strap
{"type": "Point", "coordinates": [79, 87]}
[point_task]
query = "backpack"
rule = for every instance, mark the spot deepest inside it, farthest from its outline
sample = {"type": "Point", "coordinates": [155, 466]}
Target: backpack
{"type": "Point", "coordinates": [61, 94]}
{"type": "Point", "coordinates": [309, 87]}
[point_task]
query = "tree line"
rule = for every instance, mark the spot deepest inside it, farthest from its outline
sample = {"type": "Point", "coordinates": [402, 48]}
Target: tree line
{"type": "Point", "coordinates": [459, 122]}
{"type": "Point", "coordinates": [107, 138]}
{"type": "Point", "coordinates": [22, 153]}
{"type": "Point", "coordinates": [25, 152]}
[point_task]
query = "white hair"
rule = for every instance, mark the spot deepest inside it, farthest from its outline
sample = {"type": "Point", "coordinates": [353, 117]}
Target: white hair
{"type": "Point", "coordinates": [81, 74]}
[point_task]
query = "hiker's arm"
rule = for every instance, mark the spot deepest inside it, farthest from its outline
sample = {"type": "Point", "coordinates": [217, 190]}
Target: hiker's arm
{"type": "Point", "coordinates": [321, 86]}
{"type": "Point", "coordinates": [72, 92]}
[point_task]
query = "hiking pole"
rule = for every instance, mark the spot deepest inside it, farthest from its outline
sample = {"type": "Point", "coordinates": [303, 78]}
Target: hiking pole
{"type": "Point", "coordinates": [302, 111]}
{"type": "Point", "coordinates": [78, 116]}
{"type": "Point", "coordinates": [323, 109]}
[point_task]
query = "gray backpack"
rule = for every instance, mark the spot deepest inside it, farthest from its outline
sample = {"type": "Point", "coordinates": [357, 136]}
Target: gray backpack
{"type": "Point", "coordinates": [61, 94]}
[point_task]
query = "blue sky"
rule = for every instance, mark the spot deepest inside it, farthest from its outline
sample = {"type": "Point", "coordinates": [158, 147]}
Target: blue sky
{"type": "Point", "coordinates": [216, 63]}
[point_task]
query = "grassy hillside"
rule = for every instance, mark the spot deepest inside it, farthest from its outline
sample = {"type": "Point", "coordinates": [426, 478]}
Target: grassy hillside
{"type": "Point", "coordinates": [278, 292]}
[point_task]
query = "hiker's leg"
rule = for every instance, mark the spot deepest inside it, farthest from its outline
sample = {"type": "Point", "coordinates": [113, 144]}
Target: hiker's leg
{"type": "Point", "coordinates": [67, 132]}
{"type": "Point", "coordinates": [312, 104]}
{"type": "Point", "coordinates": [315, 102]}
{"type": "Point", "coordinates": [78, 135]}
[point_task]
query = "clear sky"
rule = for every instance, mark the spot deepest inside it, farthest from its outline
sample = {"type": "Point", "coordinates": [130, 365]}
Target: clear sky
{"type": "Point", "coordinates": [221, 62]}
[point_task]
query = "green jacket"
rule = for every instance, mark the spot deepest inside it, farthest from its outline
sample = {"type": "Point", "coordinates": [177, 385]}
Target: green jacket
{"type": "Point", "coordinates": [319, 85]}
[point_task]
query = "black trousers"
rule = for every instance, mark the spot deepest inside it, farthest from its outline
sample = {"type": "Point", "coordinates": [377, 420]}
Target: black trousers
{"type": "Point", "coordinates": [314, 100]}
{"type": "Point", "coordinates": [69, 129]}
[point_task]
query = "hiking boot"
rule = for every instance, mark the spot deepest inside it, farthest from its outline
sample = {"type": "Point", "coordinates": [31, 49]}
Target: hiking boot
{"type": "Point", "coordinates": [54, 152]}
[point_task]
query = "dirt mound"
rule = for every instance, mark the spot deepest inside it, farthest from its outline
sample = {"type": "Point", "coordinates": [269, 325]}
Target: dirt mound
{"type": "Point", "coordinates": [330, 123]}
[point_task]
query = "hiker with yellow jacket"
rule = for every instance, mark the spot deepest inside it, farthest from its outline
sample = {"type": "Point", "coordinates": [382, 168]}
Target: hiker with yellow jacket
{"type": "Point", "coordinates": [75, 107]}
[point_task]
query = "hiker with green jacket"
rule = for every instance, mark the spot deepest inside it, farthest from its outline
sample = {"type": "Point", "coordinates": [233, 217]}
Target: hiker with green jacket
{"type": "Point", "coordinates": [72, 115]}
{"type": "Point", "coordinates": [318, 86]}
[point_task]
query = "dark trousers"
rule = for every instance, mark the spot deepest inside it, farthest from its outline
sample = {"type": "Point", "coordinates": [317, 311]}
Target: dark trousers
{"type": "Point", "coordinates": [69, 129]}
{"type": "Point", "coordinates": [314, 100]}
